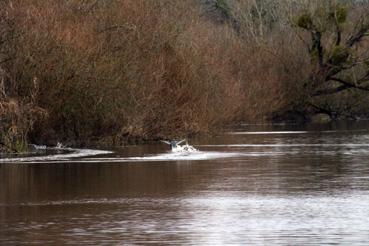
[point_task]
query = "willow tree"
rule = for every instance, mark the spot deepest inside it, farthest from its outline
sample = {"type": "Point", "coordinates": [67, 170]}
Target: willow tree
{"type": "Point", "coordinates": [338, 49]}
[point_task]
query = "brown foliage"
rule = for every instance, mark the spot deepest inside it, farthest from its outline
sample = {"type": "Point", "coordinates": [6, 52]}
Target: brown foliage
{"type": "Point", "coordinates": [122, 69]}
{"type": "Point", "coordinates": [17, 119]}
{"type": "Point", "coordinates": [127, 68]}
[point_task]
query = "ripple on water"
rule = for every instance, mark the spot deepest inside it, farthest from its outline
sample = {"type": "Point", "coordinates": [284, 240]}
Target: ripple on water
{"type": "Point", "coordinates": [215, 218]}
{"type": "Point", "coordinates": [273, 189]}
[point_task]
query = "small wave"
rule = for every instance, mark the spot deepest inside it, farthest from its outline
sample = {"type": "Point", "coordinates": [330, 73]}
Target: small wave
{"type": "Point", "coordinates": [79, 155]}
{"type": "Point", "coordinates": [195, 156]}
{"type": "Point", "coordinates": [70, 153]}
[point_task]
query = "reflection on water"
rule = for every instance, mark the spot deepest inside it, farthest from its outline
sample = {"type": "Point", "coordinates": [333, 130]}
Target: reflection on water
{"type": "Point", "coordinates": [281, 188]}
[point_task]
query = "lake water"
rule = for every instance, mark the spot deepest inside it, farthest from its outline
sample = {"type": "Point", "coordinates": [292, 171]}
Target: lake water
{"type": "Point", "coordinates": [256, 184]}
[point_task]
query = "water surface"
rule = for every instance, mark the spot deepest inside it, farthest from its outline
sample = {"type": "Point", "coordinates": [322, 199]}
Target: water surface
{"type": "Point", "coordinates": [256, 184]}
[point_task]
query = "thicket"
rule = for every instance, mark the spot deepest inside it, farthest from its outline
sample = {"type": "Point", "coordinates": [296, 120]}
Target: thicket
{"type": "Point", "coordinates": [108, 71]}
{"type": "Point", "coordinates": [325, 50]}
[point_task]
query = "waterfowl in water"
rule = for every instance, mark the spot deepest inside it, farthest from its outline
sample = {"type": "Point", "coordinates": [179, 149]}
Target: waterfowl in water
{"type": "Point", "coordinates": [176, 147]}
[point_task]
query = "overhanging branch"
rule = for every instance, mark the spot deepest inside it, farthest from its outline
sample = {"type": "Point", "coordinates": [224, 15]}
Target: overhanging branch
{"type": "Point", "coordinates": [356, 38]}
{"type": "Point", "coordinates": [331, 91]}
{"type": "Point", "coordinates": [344, 86]}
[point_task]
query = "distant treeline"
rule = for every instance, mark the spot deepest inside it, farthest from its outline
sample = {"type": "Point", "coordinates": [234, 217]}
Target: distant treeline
{"type": "Point", "coordinates": [87, 72]}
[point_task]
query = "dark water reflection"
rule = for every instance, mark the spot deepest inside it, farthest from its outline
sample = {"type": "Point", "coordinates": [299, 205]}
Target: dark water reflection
{"type": "Point", "coordinates": [309, 187]}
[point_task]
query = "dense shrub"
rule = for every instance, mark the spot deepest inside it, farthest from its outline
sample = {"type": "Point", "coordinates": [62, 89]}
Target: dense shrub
{"type": "Point", "coordinates": [109, 71]}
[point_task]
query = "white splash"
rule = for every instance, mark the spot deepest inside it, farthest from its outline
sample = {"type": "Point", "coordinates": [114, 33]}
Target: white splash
{"type": "Point", "coordinates": [186, 148]}
{"type": "Point", "coordinates": [176, 146]}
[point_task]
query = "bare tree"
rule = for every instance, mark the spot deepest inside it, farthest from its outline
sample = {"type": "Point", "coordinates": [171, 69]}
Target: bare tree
{"type": "Point", "coordinates": [340, 56]}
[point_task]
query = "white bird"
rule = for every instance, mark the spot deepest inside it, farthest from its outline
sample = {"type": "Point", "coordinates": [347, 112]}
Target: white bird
{"type": "Point", "coordinates": [176, 147]}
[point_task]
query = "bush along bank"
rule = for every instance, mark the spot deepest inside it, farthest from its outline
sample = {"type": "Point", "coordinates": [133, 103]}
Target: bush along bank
{"type": "Point", "coordinates": [111, 72]}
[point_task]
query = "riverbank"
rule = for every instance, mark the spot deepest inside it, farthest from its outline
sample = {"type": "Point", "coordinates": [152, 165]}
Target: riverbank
{"type": "Point", "coordinates": [86, 73]}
